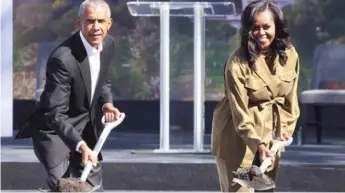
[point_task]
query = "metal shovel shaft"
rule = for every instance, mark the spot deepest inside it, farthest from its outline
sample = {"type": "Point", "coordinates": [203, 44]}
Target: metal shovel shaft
{"type": "Point", "coordinates": [278, 144]}
{"type": "Point", "coordinates": [267, 162]}
{"type": "Point", "coordinates": [106, 131]}
{"type": "Point", "coordinates": [97, 149]}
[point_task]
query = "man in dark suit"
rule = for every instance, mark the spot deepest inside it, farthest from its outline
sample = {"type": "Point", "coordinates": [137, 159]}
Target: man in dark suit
{"type": "Point", "coordinates": [64, 127]}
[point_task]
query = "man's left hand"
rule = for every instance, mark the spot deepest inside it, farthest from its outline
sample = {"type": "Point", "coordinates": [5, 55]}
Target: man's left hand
{"type": "Point", "coordinates": [110, 113]}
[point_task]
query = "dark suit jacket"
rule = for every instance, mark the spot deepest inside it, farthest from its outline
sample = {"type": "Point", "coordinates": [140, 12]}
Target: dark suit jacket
{"type": "Point", "coordinates": [65, 115]}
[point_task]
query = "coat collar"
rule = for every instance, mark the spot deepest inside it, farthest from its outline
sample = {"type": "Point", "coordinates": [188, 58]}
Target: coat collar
{"type": "Point", "coordinates": [261, 69]}
{"type": "Point", "coordinates": [89, 49]}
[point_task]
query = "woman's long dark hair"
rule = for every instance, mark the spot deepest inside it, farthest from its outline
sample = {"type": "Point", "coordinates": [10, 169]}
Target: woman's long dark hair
{"type": "Point", "coordinates": [282, 37]}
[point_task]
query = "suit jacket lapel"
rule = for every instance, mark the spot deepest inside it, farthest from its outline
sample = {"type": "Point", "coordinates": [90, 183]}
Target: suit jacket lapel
{"type": "Point", "coordinates": [79, 52]}
{"type": "Point", "coordinates": [84, 67]}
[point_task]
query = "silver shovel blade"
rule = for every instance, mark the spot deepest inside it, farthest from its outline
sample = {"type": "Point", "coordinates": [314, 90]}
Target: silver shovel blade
{"type": "Point", "coordinates": [253, 184]}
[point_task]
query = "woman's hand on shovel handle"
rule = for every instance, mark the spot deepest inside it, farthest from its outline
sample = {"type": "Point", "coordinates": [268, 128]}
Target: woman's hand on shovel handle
{"type": "Point", "coordinates": [265, 152]}
{"type": "Point", "coordinates": [88, 155]}
{"type": "Point", "coordinates": [284, 136]}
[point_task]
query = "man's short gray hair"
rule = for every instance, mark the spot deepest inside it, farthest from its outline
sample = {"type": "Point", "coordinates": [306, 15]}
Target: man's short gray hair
{"type": "Point", "coordinates": [93, 3]}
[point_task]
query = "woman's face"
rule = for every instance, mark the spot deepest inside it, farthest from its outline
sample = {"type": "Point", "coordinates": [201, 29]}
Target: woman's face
{"type": "Point", "coordinates": [264, 29]}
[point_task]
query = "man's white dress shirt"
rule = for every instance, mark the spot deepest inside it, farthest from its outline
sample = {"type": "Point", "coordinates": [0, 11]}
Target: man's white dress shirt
{"type": "Point", "coordinates": [94, 57]}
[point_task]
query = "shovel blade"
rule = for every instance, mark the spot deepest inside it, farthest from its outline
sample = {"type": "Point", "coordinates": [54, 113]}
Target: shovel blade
{"type": "Point", "coordinates": [73, 185]}
{"type": "Point", "coordinates": [253, 184]}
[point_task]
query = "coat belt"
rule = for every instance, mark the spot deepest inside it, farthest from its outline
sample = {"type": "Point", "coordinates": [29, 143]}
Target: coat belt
{"type": "Point", "coordinates": [275, 103]}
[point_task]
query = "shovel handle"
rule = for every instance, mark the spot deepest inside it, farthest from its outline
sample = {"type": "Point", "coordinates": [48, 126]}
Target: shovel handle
{"type": "Point", "coordinates": [278, 144]}
{"type": "Point", "coordinates": [107, 128]}
{"type": "Point", "coordinates": [267, 161]}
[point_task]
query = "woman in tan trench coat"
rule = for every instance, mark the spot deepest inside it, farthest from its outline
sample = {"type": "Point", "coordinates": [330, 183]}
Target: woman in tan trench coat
{"type": "Point", "coordinates": [260, 94]}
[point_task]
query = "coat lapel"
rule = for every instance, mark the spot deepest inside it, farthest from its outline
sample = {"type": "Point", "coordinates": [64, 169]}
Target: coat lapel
{"type": "Point", "coordinates": [84, 67]}
{"type": "Point", "coordinates": [79, 52]}
{"type": "Point", "coordinates": [261, 69]}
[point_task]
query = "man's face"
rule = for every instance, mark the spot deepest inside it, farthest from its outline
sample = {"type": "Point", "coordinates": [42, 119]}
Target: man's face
{"type": "Point", "coordinates": [94, 24]}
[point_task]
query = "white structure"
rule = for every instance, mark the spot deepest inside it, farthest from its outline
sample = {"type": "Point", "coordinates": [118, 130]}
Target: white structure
{"type": "Point", "coordinates": [6, 68]}
{"type": "Point", "coordinates": [198, 11]}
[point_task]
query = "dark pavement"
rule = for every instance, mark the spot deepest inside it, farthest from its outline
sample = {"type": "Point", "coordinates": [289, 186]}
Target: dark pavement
{"type": "Point", "coordinates": [130, 164]}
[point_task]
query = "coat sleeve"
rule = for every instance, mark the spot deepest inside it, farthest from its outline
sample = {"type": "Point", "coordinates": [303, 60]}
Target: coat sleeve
{"type": "Point", "coordinates": [291, 109]}
{"type": "Point", "coordinates": [56, 102]}
{"type": "Point", "coordinates": [239, 101]}
{"type": "Point", "coordinates": [106, 95]}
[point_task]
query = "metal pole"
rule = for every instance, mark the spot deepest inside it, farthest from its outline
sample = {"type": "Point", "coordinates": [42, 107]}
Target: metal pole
{"type": "Point", "coordinates": [1, 100]}
{"type": "Point", "coordinates": [199, 79]}
{"type": "Point", "coordinates": [6, 68]}
{"type": "Point", "coordinates": [164, 76]}
{"type": "Point", "coordinates": [244, 4]}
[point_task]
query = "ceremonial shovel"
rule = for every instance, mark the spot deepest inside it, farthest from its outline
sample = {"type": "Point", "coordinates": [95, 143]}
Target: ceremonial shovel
{"type": "Point", "coordinates": [80, 185]}
{"type": "Point", "coordinates": [255, 177]}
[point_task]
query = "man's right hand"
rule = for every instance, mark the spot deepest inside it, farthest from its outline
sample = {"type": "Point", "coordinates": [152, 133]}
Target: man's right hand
{"type": "Point", "coordinates": [88, 155]}
{"type": "Point", "coordinates": [265, 152]}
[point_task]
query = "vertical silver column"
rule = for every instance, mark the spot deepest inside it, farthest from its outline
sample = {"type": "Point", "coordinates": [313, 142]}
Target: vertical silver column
{"type": "Point", "coordinates": [199, 79]}
{"type": "Point", "coordinates": [6, 68]}
{"type": "Point", "coordinates": [164, 76]}
{"type": "Point", "coordinates": [244, 4]}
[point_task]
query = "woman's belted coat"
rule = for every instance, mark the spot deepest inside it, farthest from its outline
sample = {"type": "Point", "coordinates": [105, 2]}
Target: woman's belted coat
{"type": "Point", "coordinates": [257, 104]}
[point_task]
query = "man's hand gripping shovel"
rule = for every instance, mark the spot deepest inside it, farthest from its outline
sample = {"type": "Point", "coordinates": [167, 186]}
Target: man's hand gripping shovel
{"type": "Point", "coordinates": [255, 177]}
{"type": "Point", "coordinates": [80, 185]}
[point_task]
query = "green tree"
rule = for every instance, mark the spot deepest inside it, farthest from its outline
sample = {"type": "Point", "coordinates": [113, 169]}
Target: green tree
{"type": "Point", "coordinates": [144, 44]}
{"type": "Point", "coordinates": [314, 22]}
